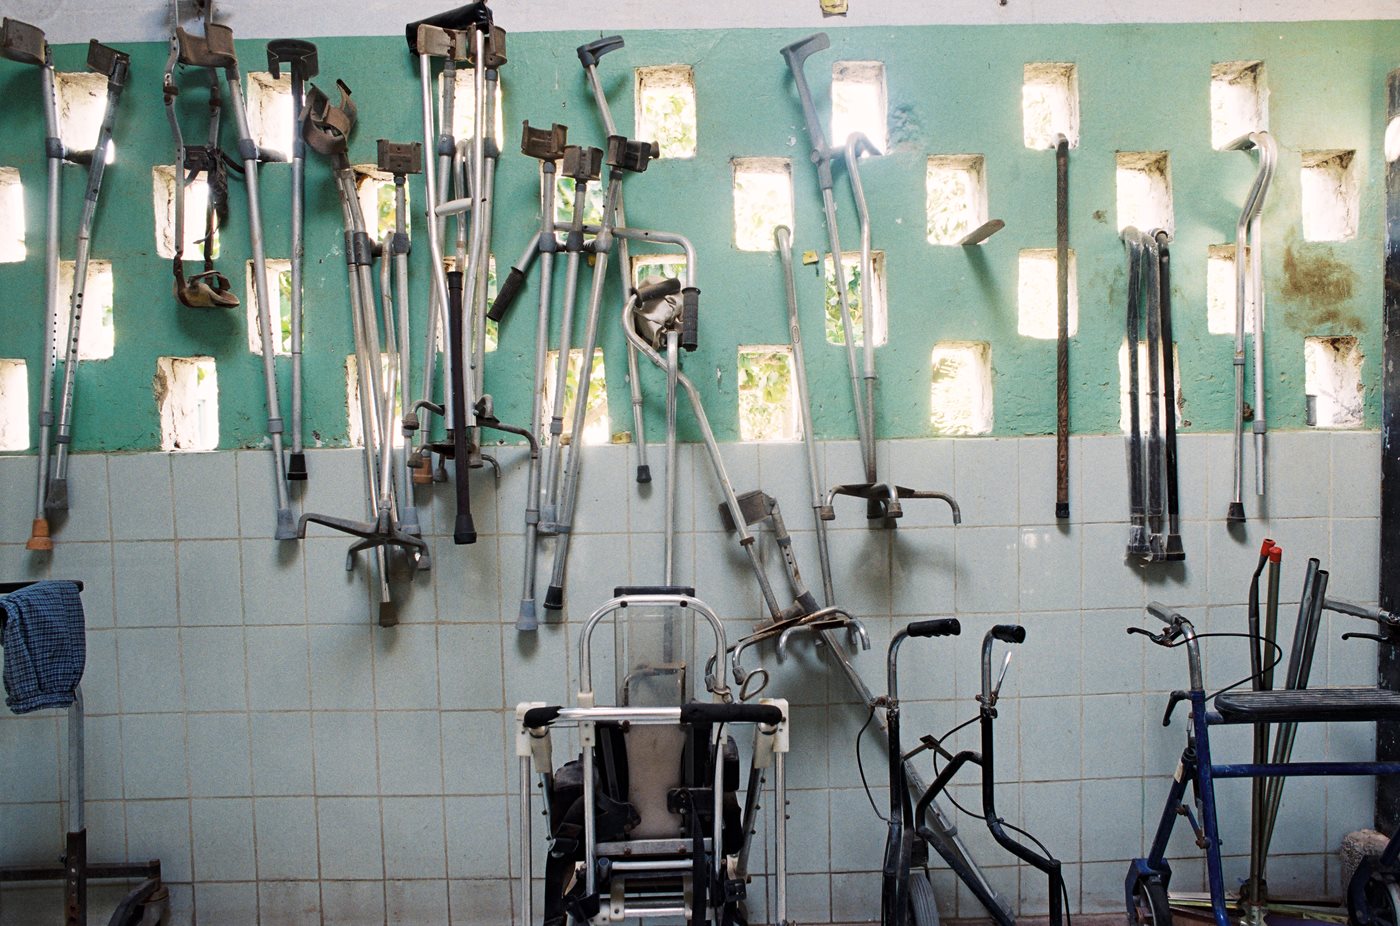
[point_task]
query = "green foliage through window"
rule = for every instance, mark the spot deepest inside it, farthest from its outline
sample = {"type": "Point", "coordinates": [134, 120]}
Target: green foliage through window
{"type": "Point", "coordinates": [767, 399]}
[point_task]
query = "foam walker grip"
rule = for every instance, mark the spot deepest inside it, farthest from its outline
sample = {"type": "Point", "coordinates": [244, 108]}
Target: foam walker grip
{"type": "Point", "coordinates": [1009, 633]}
{"type": "Point", "coordinates": [690, 324]}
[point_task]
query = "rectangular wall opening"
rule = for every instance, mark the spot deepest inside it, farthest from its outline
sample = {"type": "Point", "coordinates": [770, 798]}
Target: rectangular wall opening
{"type": "Point", "coordinates": [665, 113]}
{"type": "Point", "coordinates": [762, 201]}
{"type": "Point", "coordinates": [98, 333]}
{"type": "Point", "coordinates": [1144, 401]}
{"type": "Point", "coordinates": [279, 272]}
{"type": "Point", "coordinates": [654, 268]}
{"type": "Point", "coordinates": [1144, 185]}
{"type": "Point", "coordinates": [850, 268]}
{"type": "Point", "coordinates": [596, 427]}
{"type": "Point", "coordinates": [1050, 104]}
{"type": "Point", "coordinates": [82, 101]}
{"type": "Point", "coordinates": [187, 393]}
{"type": "Point", "coordinates": [1392, 141]}
{"type": "Point", "coordinates": [1331, 195]}
{"type": "Point", "coordinates": [270, 112]}
{"type": "Point", "coordinates": [767, 397]}
{"type": "Point", "coordinates": [859, 102]}
{"type": "Point", "coordinates": [956, 196]}
{"type": "Point", "coordinates": [1037, 299]}
{"type": "Point", "coordinates": [961, 395]}
{"type": "Point", "coordinates": [14, 405]}
{"type": "Point", "coordinates": [1332, 382]}
{"type": "Point", "coordinates": [594, 199]}
{"type": "Point", "coordinates": [1222, 291]}
{"type": "Point", "coordinates": [376, 191]}
{"type": "Point", "coordinates": [1239, 101]}
{"type": "Point", "coordinates": [464, 107]}
{"type": "Point", "coordinates": [196, 205]}
{"type": "Point", "coordinates": [355, 429]}
{"type": "Point", "coordinates": [12, 249]}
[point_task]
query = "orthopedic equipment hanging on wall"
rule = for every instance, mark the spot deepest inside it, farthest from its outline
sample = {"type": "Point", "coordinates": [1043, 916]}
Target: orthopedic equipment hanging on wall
{"type": "Point", "coordinates": [26, 44]}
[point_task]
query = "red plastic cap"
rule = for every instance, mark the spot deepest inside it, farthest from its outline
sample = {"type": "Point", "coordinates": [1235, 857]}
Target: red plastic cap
{"type": "Point", "coordinates": [1266, 546]}
{"type": "Point", "coordinates": [1276, 555]}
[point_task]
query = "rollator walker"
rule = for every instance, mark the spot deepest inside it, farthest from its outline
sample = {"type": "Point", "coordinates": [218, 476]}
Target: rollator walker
{"type": "Point", "coordinates": [649, 821]}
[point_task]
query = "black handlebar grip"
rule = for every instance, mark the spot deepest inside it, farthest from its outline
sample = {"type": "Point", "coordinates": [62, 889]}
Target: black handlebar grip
{"type": "Point", "coordinates": [690, 318]}
{"type": "Point", "coordinates": [506, 294]}
{"type": "Point", "coordinates": [537, 717]}
{"type": "Point", "coordinates": [1009, 633]}
{"type": "Point", "coordinates": [667, 287]}
{"type": "Point", "coordinates": [589, 54]}
{"type": "Point", "coordinates": [939, 627]}
{"type": "Point", "coordinates": [699, 712]}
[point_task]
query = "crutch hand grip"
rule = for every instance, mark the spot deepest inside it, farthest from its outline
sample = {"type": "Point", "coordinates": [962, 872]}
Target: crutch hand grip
{"type": "Point", "coordinates": [690, 318]}
{"type": "Point", "coordinates": [801, 50]}
{"type": "Point", "coordinates": [667, 287]}
{"type": "Point", "coordinates": [589, 54]}
{"type": "Point", "coordinates": [514, 282]}
{"type": "Point", "coordinates": [1009, 633]}
{"type": "Point", "coordinates": [939, 627]}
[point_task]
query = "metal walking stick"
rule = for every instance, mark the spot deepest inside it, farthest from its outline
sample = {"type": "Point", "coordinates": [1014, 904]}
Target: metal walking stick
{"type": "Point", "coordinates": [114, 64]}
{"type": "Point", "coordinates": [26, 44]}
{"type": "Point", "coordinates": [1249, 289]}
{"type": "Point", "coordinates": [1061, 327]}
{"type": "Point", "coordinates": [300, 58]}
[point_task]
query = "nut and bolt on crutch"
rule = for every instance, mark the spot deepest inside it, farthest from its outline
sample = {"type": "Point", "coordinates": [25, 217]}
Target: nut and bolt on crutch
{"type": "Point", "coordinates": [1249, 293]}
{"type": "Point", "coordinates": [300, 58]}
{"type": "Point", "coordinates": [27, 44]}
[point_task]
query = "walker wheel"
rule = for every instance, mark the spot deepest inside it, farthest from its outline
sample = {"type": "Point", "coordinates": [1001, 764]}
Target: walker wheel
{"type": "Point", "coordinates": [1150, 905]}
{"type": "Point", "coordinates": [1382, 904]}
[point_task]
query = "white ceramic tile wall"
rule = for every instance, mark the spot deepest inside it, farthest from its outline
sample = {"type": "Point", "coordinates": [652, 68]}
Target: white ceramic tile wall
{"type": "Point", "coordinates": [290, 763]}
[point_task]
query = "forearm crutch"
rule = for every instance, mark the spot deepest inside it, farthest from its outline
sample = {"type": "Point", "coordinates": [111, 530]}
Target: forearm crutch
{"type": "Point", "coordinates": [1249, 290]}
{"type": "Point", "coordinates": [25, 44]}
{"type": "Point", "coordinates": [300, 58]}
{"type": "Point", "coordinates": [215, 49]}
{"type": "Point", "coordinates": [114, 64]}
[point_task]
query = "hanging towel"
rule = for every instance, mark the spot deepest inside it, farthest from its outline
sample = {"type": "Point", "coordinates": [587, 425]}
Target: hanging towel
{"type": "Point", "coordinates": [44, 645]}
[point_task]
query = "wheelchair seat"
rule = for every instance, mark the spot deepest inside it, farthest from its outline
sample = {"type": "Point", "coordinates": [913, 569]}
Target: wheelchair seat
{"type": "Point", "coordinates": [1307, 706]}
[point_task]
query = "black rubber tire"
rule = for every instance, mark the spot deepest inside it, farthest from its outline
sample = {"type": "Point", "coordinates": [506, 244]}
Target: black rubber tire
{"type": "Point", "coordinates": [1382, 903]}
{"type": "Point", "coordinates": [923, 910]}
{"type": "Point", "coordinates": [1150, 904]}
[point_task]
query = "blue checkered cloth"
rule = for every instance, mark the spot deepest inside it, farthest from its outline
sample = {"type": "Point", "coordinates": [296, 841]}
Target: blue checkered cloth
{"type": "Point", "coordinates": [44, 645]}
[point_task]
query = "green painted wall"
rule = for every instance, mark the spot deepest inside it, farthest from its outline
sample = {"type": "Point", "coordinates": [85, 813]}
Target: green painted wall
{"type": "Point", "coordinates": [951, 90]}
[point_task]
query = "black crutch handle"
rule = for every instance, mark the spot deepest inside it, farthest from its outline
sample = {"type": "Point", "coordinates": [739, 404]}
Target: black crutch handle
{"type": "Point", "coordinates": [938, 627]}
{"type": "Point", "coordinates": [701, 712]}
{"type": "Point", "coordinates": [1009, 633]}
{"type": "Point", "coordinates": [298, 54]}
{"type": "Point", "coordinates": [690, 318]}
{"type": "Point", "coordinates": [589, 54]}
{"type": "Point", "coordinates": [514, 281]}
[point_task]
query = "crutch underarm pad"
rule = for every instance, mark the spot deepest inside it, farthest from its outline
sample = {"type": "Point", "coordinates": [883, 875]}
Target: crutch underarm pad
{"type": "Point", "coordinates": [699, 712]}
{"type": "Point", "coordinates": [509, 290]}
{"type": "Point", "coordinates": [537, 717]}
{"type": "Point", "coordinates": [1009, 633]}
{"type": "Point", "coordinates": [464, 17]}
{"type": "Point", "coordinates": [939, 627]}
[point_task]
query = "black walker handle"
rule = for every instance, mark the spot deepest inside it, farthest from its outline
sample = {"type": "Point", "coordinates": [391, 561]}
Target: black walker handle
{"type": "Point", "coordinates": [1009, 633]}
{"type": "Point", "coordinates": [938, 627]}
{"type": "Point", "coordinates": [701, 712]}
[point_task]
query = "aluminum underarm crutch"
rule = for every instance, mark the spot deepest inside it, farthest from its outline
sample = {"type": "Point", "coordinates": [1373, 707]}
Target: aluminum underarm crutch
{"type": "Point", "coordinates": [588, 56]}
{"type": "Point", "coordinates": [1172, 550]}
{"type": "Point", "coordinates": [114, 64]}
{"type": "Point", "coordinates": [1152, 292]}
{"type": "Point", "coordinates": [1249, 289]}
{"type": "Point", "coordinates": [25, 44]}
{"type": "Point", "coordinates": [217, 45]}
{"type": "Point", "coordinates": [300, 58]}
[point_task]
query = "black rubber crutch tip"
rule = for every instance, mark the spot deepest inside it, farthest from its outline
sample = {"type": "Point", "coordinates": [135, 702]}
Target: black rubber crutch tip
{"type": "Point", "coordinates": [464, 530]}
{"type": "Point", "coordinates": [296, 467]}
{"type": "Point", "coordinates": [554, 598]}
{"type": "Point", "coordinates": [1062, 510]}
{"type": "Point", "coordinates": [1236, 512]}
{"type": "Point", "coordinates": [643, 474]}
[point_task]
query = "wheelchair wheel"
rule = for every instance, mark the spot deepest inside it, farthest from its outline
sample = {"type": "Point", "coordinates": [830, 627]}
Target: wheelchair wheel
{"type": "Point", "coordinates": [1150, 905]}
{"type": "Point", "coordinates": [923, 911]}
{"type": "Point", "coordinates": [1382, 904]}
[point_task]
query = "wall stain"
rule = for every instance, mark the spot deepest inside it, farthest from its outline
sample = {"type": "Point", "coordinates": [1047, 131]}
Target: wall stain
{"type": "Point", "coordinates": [1319, 287]}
